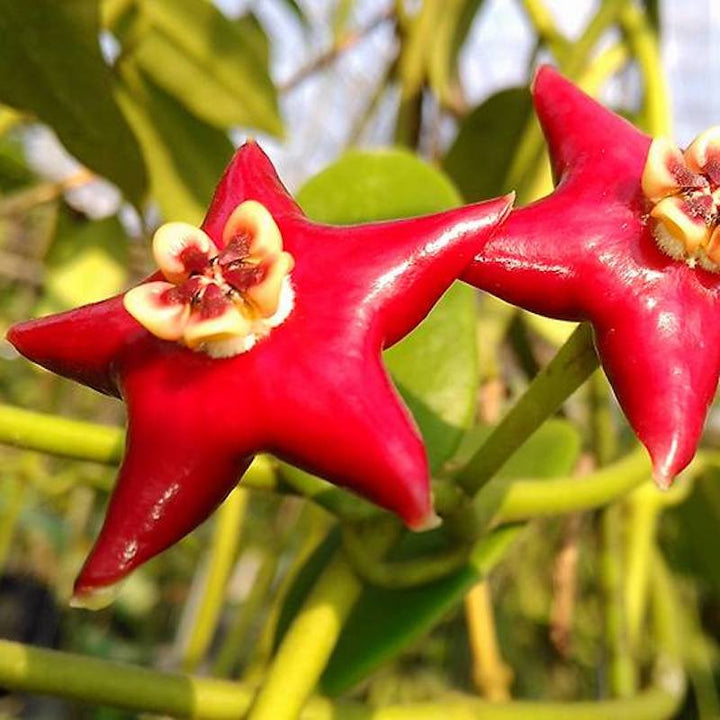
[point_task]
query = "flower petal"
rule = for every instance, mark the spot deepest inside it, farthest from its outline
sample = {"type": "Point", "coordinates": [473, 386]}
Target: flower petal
{"type": "Point", "coordinates": [253, 219]}
{"type": "Point", "coordinates": [180, 248]}
{"type": "Point", "coordinates": [691, 231]}
{"type": "Point", "coordinates": [665, 171]}
{"type": "Point", "coordinates": [703, 150]}
{"type": "Point", "coordinates": [228, 324]}
{"type": "Point", "coordinates": [151, 304]}
{"type": "Point", "coordinates": [265, 295]}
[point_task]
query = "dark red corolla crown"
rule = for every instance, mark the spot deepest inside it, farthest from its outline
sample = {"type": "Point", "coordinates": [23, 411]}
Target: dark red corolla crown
{"type": "Point", "coordinates": [313, 390]}
{"type": "Point", "coordinates": [589, 252]}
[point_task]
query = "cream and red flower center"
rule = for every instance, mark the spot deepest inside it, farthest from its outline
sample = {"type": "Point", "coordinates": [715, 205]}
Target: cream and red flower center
{"type": "Point", "coordinates": [684, 188]}
{"type": "Point", "coordinates": [217, 301]}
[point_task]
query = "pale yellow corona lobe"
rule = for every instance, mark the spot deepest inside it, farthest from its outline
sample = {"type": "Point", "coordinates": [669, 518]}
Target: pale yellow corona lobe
{"type": "Point", "coordinates": [220, 302]}
{"type": "Point", "coordinates": [684, 190]}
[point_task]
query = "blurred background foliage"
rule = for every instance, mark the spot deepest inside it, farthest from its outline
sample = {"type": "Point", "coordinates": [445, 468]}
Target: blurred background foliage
{"type": "Point", "coordinates": [118, 115]}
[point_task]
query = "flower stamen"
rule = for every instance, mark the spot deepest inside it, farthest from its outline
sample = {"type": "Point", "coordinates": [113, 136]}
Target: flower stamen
{"type": "Point", "coordinates": [217, 301]}
{"type": "Point", "coordinates": [684, 189]}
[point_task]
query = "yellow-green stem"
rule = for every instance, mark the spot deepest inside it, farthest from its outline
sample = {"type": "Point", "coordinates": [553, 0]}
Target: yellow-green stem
{"type": "Point", "coordinates": [622, 671]}
{"type": "Point", "coordinates": [81, 440]}
{"type": "Point", "coordinates": [641, 518]}
{"type": "Point", "coordinates": [309, 642]}
{"type": "Point", "coordinates": [545, 27]}
{"type": "Point", "coordinates": [100, 682]}
{"type": "Point", "coordinates": [525, 499]}
{"type": "Point", "coordinates": [221, 555]}
{"type": "Point", "coordinates": [307, 646]}
{"type": "Point", "coordinates": [236, 636]}
{"type": "Point", "coordinates": [643, 44]}
{"type": "Point", "coordinates": [491, 675]}
{"type": "Point", "coordinates": [572, 365]}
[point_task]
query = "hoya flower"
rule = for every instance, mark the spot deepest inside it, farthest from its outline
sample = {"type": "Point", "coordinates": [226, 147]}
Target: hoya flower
{"type": "Point", "coordinates": [262, 331]}
{"type": "Point", "coordinates": [629, 241]}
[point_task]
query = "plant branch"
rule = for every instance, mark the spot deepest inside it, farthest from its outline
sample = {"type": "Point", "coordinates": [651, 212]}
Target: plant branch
{"type": "Point", "coordinates": [101, 682]}
{"type": "Point", "coordinates": [309, 642]}
{"type": "Point", "coordinates": [573, 364]}
{"type": "Point", "coordinates": [622, 673]}
{"type": "Point", "coordinates": [214, 578]}
{"type": "Point", "coordinates": [345, 42]}
{"type": "Point", "coordinates": [23, 200]}
{"type": "Point", "coordinates": [491, 675]}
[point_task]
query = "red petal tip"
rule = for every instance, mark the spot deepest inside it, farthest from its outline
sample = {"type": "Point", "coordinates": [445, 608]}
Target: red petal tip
{"type": "Point", "coordinates": [14, 334]}
{"type": "Point", "coordinates": [670, 461]}
{"type": "Point", "coordinates": [662, 479]}
{"type": "Point", "coordinates": [541, 72]}
{"type": "Point", "coordinates": [430, 521]}
{"type": "Point", "coordinates": [96, 598]}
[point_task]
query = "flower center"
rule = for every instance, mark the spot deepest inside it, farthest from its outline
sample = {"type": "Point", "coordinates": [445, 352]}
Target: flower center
{"type": "Point", "coordinates": [684, 189]}
{"type": "Point", "coordinates": [217, 301]}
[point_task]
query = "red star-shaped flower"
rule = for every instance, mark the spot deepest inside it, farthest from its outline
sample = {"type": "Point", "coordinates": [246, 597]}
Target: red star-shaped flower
{"type": "Point", "coordinates": [263, 333]}
{"type": "Point", "coordinates": [625, 241]}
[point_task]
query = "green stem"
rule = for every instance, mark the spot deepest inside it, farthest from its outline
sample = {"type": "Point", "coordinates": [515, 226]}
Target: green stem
{"type": "Point", "coordinates": [521, 175]}
{"type": "Point", "coordinates": [666, 619]}
{"type": "Point", "coordinates": [492, 676]}
{"type": "Point", "coordinates": [403, 573]}
{"type": "Point", "coordinates": [100, 682]}
{"type": "Point", "coordinates": [95, 681]}
{"type": "Point", "coordinates": [309, 642]}
{"type": "Point", "coordinates": [643, 43]}
{"type": "Point", "coordinates": [236, 637]}
{"type": "Point", "coordinates": [60, 436]}
{"type": "Point", "coordinates": [622, 673]}
{"type": "Point", "coordinates": [221, 555]}
{"type": "Point", "coordinates": [607, 15]}
{"type": "Point", "coordinates": [642, 513]}
{"type": "Point", "coordinates": [81, 440]}
{"type": "Point", "coordinates": [307, 646]}
{"type": "Point", "coordinates": [573, 364]}
{"type": "Point", "coordinates": [525, 499]}
{"type": "Point", "coordinates": [339, 503]}
{"type": "Point", "coordinates": [416, 38]}
{"type": "Point", "coordinates": [602, 428]}
{"type": "Point", "coordinates": [545, 27]}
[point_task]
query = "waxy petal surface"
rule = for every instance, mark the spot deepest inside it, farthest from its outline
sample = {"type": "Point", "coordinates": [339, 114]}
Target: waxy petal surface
{"type": "Point", "coordinates": [314, 391]}
{"type": "Point", "coordinates": [586, 252]}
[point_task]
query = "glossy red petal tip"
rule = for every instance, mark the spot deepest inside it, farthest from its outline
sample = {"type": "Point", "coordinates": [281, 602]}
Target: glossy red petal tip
{"type": "Point", "coordinates": [670, 462]}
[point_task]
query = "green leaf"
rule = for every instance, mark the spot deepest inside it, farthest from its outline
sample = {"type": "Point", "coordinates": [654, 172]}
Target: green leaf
{"type": "Point", "coordinates": [216, 67]}
{"type": "Point", "coordinates": [435, 368]}
{"type": "Point", "coordinates": [384, 622]}
{"type": "Point", "coordinates": [51, 66]}
{"type": "Point", "coordinates": [482, 153]}
{"type": "Point", "coordinates": [185, 155]}
{"type": "Point", "coordinates": [436, 371]}
{"type": "Point", "coordinates": [86, 262]}
{"type": "Point", "coordinates": [364, 186]}
{"type": "Point", "coordinates": [551, 451]}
